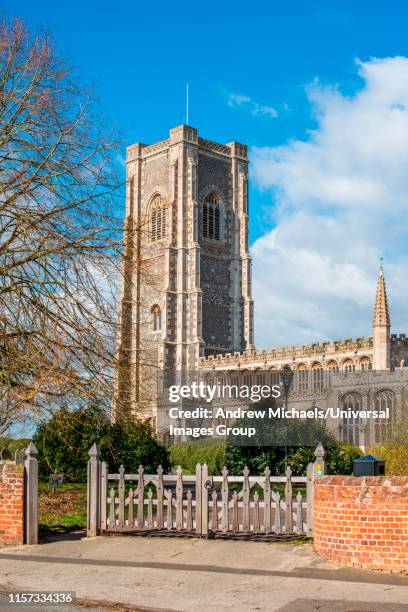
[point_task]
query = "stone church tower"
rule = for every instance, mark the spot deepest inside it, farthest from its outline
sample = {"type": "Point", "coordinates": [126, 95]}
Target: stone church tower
{"type": "Point", "coordinates": [187, 276]}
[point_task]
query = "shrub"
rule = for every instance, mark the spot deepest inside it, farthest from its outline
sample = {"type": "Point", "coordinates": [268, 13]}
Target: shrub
{"type": "Point", "coordinates": [131, 443]}
{"type": "Point", "coordinates": [394, 451]}
{"type": "Point", "coordinates": [64, 441]}
{"type": "Point", "coordinates": [280, 441]}
{"type": "Point", "coordinates": [339, 458]}
{"type": "Point", "coordinates": [189, 454]}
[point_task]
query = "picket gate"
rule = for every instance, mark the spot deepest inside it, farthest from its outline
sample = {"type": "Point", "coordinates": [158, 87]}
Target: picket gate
{"type": "Point", "coordinates": [258, 506]}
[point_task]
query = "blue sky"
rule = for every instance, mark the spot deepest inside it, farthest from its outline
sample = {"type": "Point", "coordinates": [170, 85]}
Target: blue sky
{"type": "Point", "coordinates": [141, 54]}
{"type": "Point", "coordinates": [277, 76]}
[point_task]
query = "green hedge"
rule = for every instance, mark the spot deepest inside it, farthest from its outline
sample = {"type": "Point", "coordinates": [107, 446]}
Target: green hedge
{"type": "Point", "coordinates": [64, 441]}
{"type": "Point", "coordinates": [340, 458]}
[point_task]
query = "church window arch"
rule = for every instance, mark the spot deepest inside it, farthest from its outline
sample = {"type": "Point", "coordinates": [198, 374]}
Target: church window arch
{"type": "Point", "coordinates": [158, 218]}
{"type": "Point", "coordinates": [301, 377]}
{"type": "Point", "coordinates": [274, 376]}
{"type": "Point", "coordinates": [333, 366]}
{"type": "Point", "coordinates": [156, 320]}
{"type": "Point", "coordinates": [384, 400]}
{"type": "Point", "coordinates": [260, 378]}
{"type": "Point", "coordinates": [317, 376]}
{"type": "Point", "coordinates": [351, 424]}
{"type": "Point", "coordinates": [211, 217]}
{"type": "Point", "coordinates": [365, 364]}
{"type": "Point", "coordinates": [349, 365]}
{"type": "Point", "coordinates": [247, 378]}
{"type": "Point", "coordinates": [233, 379]}
{"type": "Point", "coordinates": [219, 381]}
{"type": "Point", "coordinates": [209, 378]}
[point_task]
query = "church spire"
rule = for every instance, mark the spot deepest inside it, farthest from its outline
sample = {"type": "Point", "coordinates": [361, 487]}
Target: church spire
{"type": "Point", "coordinates": [381, 312]}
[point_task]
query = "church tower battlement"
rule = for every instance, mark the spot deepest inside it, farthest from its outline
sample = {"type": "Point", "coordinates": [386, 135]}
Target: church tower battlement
{"type": "Point", "coordinates": [187, 275]}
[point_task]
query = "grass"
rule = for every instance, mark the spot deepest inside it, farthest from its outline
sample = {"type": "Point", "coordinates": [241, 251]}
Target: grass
{"type": "Point", "coordinates": [64, 510]}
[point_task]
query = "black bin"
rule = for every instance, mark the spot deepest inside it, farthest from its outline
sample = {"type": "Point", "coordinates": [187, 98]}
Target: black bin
{"type": "Point", "coordinates": [369, 465]}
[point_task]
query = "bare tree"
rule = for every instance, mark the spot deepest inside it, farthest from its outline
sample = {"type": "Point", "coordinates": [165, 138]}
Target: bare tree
{"type": "Point", "coordinates": [60, 241]}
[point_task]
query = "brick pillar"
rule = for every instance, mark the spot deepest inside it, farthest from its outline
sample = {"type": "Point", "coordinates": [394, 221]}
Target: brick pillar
{"type": "Point", "coordinates": [362, 521]}
{"type": "Point", "coordinates": [11, 504]}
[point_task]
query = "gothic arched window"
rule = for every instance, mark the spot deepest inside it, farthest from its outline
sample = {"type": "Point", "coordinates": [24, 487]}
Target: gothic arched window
{"type": "Point", "coordinates": [365, 364]}
{"type": "Point", "coordinates": [274, 376]}
{"type": "Point", "coordinates": [247, 378]}
{"type": "Point", "coordinates": [211, 217]}
{"type": "Point", "coordinates": [234, 380]}
{"type": "Point", "coordinates": [301, 377]}
{"type": "Point", "coordinates": [349, 366]}
{"type": "Point", "coordinates": [317, 376]}
{"type": "Point", "coordinates": [158, 211]}
{"type": "Point", "coordinates": [260, 378]}
{"type": "Point", "coordinates": [333, 366]}
{"type": "Point", "coordinates": [156, 318]}
{"type": "Point", "coordinates": [384, 400]}
{"type": "Point", "coordinates": [351, 423]}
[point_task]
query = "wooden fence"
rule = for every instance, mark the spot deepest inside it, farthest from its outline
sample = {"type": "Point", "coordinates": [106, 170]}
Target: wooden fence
{"type": "Point", "coordinates": [200, 503]}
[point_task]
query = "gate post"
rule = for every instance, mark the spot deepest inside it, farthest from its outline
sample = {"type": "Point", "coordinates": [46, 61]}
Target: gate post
{"type": "Point", "coordinates": [310, 500]}
{"type": "Point", "coordinates": [199, 493]}
{"type": "Point", "coordinates": [314, 470]}
{"type": "Point", "coordinates": [93, 493]}
{"type": "Point", "coordinates": [31, 494]}
{"type": "Point", "coordinates": [320, 463]}
{"type": "Point", "coordinates": [204, 500]}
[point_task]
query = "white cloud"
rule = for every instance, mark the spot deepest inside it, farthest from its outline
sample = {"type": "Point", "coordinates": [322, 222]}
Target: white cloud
{"type": "Point", "coordinates": [340, 202]}
{"type": "Point", "coordinates": [259, 109]}
{"type": "Point", "coordinates": [256, 109]}
{"type": "Point", "coordinates": [237, 99]}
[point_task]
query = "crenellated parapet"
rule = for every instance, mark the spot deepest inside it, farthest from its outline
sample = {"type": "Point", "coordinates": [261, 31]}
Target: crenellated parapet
{"type": "Point", "coordinates": [399, 339]}
{"type": "Point", "coordinates": [322, 352]}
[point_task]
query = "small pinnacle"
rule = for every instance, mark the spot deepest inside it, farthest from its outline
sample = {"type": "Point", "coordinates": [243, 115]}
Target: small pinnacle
{"type": "Point", "coordinates": [381, 311]}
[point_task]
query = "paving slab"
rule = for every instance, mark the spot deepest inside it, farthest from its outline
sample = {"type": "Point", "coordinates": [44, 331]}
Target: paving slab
{"type": "Point", "coordinates": [193, 575]}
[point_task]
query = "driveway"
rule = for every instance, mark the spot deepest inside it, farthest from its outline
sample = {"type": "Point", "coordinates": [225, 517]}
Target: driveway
{"type": "Point", "coordinates": [191, 574]}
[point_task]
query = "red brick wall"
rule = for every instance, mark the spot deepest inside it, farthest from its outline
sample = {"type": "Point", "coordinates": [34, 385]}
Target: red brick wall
{"type": "Point", "coordinates": [11, 504]}
{"type": "Point", "coordinates": [362, 522]}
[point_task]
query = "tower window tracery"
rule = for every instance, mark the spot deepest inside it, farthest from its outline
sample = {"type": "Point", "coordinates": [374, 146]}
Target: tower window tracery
{"type": "Point", "coordinates": [155, 313]}
{"type": "Point", "coordinates": [158, 214]}
{"type": "Point", "coordinates": [211, 217]}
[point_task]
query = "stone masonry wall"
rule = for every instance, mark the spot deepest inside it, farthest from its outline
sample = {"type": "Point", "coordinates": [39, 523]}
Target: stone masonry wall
{"type": "Point", "coordinates": [11, 504]}
{"type": "Point", "coordinates": [362, 522]}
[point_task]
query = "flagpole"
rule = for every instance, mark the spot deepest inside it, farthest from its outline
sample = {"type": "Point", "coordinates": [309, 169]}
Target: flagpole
{"type": "Point", "coordinates": [187, 103]}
